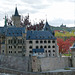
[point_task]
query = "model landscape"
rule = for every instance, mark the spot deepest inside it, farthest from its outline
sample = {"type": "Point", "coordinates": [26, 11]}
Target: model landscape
{"type": "Point", "coordinates": [27, 48]}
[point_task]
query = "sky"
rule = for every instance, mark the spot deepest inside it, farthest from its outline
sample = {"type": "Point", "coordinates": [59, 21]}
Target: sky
{"type": "Point", "coordinates": [55, 11]}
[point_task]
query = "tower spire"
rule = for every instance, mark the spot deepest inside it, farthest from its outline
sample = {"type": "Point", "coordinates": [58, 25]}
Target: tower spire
{"type": "Point", "coordinates": [5, 21]}
{"type": "Point", "coordinates": [16, 12]}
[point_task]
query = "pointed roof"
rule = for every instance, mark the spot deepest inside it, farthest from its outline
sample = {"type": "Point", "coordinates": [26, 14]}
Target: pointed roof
{"type": "Point", "coordinates": [47, 27]}
{"type": "Point", "coordinates": [5, 22]}
{"type": "Point", "coordinates": [16, 12]}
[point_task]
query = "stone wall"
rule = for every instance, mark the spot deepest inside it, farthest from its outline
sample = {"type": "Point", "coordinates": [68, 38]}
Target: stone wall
{"type": "Point", "coordinates": [69, 72]}
{"type": "Point", "coordinates": [18, 63]}
{"type": "Point", "coordinates": [25, 63]}
{"type": "Point", "coordinates": [48, 64]}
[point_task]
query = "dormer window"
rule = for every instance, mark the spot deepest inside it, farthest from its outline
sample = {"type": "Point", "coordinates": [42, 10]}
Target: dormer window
{"type": "Point", "coordinates": [46, 28]}
{"type": "Point", "coordinates": [29, 37]}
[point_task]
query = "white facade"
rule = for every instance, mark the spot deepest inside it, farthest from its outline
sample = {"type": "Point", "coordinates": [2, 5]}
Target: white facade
{"type": "Point", "coordinates": [50, 47]}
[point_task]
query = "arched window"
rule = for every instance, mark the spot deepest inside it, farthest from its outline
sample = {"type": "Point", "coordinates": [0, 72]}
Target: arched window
{"type": "Point", "coordinates": [37, 47]}
{"type": "Point", "coordinates": [49, 41]}
{"type": "Point", "coordinates": [53, 46]}
{"type": "Point", "coordinates": [49, 46]}
{"type": "Point", "coordinates": [53, 50]}
{"type": "Point", "coordinates": [30, 42]}
{"type": "Point", "coordinates": [30, 47]}
{"type": "Point", "coordinates": [45, 46]}
{"type": "Point", "coordinates": [53, 41]}
{"type": "Point", "coordinates": [49, 51]}
{"type": "Point", "coordinates": [45, 41]}
{"type": "Point", "coordinates": [41, 46]}
{"type": "Point", "coordinates": [37, 41]}
{"type": "Point", "coordinates": [41, 41]}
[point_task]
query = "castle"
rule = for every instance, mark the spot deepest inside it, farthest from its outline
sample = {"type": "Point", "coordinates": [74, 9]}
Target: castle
{"type": "Point", "coordinates": [16, 40]}
{"type": "Point", "coordinates": [40, 45]}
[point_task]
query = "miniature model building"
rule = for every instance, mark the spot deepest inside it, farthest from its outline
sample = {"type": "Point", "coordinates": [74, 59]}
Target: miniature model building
{"type": "Point", "coordinates": [19, 41]}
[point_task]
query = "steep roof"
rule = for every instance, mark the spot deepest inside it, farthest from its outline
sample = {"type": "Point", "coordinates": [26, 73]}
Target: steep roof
{"type": "Point", "coordinates": [32, 35]}
{"type": "Point", "coordinates": [46, 33]}
{"type": "Point", "coordinates": [15, 31]}
{"type": "Point", "coordinates": [16, 12]}
{"type": "Point", "coordinates": [47, 27]}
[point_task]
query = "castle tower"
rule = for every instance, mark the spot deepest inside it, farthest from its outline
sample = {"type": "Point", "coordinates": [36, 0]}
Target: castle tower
{"type": "Point", "coordinates": [34, 63]}
{"type": "Point", "coordinates": [73, 54]}
{"type": "Point", "coordinates": [16, 18]}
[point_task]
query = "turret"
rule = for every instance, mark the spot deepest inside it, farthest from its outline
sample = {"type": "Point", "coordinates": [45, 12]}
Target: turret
{"type": "Point", "coordinates": [16, 18]}
{"type": "Point", "coordinates": [5, 22]}
{"type": "Point", "coordinates": [73, 54]}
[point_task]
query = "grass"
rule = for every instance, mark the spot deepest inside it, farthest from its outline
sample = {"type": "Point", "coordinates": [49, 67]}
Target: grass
{"type": "Point", "coordinates": [66, 54]}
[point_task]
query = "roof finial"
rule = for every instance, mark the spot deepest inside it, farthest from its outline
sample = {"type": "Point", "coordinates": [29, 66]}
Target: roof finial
{"type": "Point", "coordinates": [5, 21]}
{"type": "Point", "coordinates": [16, 11]}
{"type": "Point", "coordinates": [46, 17]}
{"type": "Point", "coordinates": [16, 5]}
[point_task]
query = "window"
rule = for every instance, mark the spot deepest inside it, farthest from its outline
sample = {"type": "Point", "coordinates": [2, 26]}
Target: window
{"type": "Point", "coordinates": [20, 40]}
{"type": "Point", "coordinates": [45, 46]}
{"type": "Point", "coordinates": [53, 41]}
{"type": "Point", "coordinates": [11, 51]}
{"type": "Point", "coordinates": [36, 41]}
{"type": "Point", "coordinates": [23, 46]}
{"type": "Point", "coordinates": [9, 46]}
{"type": "Point", "coordinates": [14, 41]}
{"type": "Point", "coordinates": [3, 51]}
{"type": "Point", "coordinates": [49, 46]}
{"type": "Point", "coordinates": [41, 41]}
{"type": "Point", "coordinates": [28, 36]}
{"type": "Point", "coordinates": [9, 41]}
{"type": "Point", "coordinates": [45, 41]}
{"type": "Point", "coordinates": [33, 60]}
{"type": "Point", "coordinates": [49, 41]}
{"type": "Point", "coordinates": [46, 51]}
{"type": "Point", "coordinates": [53, 50]}
{"type": "Point", "coordinates": [30, 51]}
{"type": "Point", "coordinates": [49, 55]}
{"type": "Point", "coordinates": [41, 46]}
{"type": "Point", "coordinates": [49, 51]}
{"type": "Point", "coordinates": [14, 46]}
{"type": "Point", "coordinates": [30, 47]}
{"type": "Point", "coordinates": [14, 51]}
{"type": "Point", "coordinates": [37, 47]}
{"type": "Point", "coordinates": [19, 51]}
{"type": "Point", "coordinates": [30, 41]}
{"type": "Point", "coordinates": [53, 46]}
{"type": "Point", "coordinates": [53, 54]}
{"type": "Point", "coordinates": [19, 46]}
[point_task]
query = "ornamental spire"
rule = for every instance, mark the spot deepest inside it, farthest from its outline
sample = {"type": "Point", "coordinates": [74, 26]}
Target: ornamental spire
{"type": "Point", "coordinates": [5, 21]}
{"type": "Point", "coordinates": [16, 12]}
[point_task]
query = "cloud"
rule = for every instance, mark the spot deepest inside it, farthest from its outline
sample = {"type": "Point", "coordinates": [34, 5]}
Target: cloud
{"type": "Point", "coordinates": [58, 22]}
